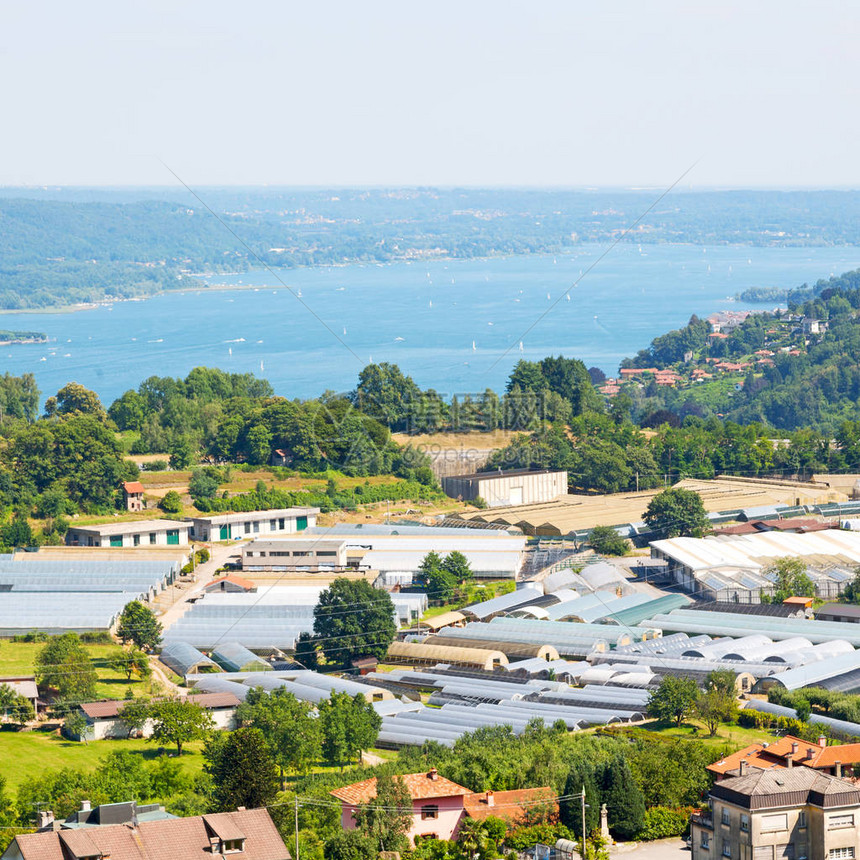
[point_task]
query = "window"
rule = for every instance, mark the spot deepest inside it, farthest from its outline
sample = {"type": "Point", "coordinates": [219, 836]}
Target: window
{"type": "Point", "coordinates": [772, 823]}
{"type": "Point", "coordinates": [135, 540]}
{"type": "Point", "coordinates": [431, 810]}
{"type": "Point", "coordinates": [705, 841]}
{"type": "Point", "coordinates": [745, 823]}
{"type": "Point", "coordinates": [247, 528]}
{"type": "Point", "coordinates": [841, 853]}
{"type": "Point", "coordinates": [281, 524]}
{"type": "Point", "coordinates": [152, 537]}
{"type": "Point", "coordinates": [837, 822]}
{"type": "Point", "coordinates": [727, 848]}
{"type": "Point", "coordinates": [785, 852]}
{"type": "Point", "coordinates": [725, 818]}
{"type": "Point", "coordinates": [272, 525]}
{"type": "Point", "coordinates": [231, 845]}
{"type": "Point", "coordinates": [801, 818]}
{"type": "Point", "coordinates": [256, 526]}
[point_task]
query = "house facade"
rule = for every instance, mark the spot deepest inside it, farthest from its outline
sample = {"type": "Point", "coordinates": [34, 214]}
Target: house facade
{"type": "Point", "coordinates": [779, 814]}
{"type": "Point", "coordinates": [132, 496]}
{"type": "Point", "coordinates": [437, 804]}
{"type": "Point", "coordinates": [440, 806]}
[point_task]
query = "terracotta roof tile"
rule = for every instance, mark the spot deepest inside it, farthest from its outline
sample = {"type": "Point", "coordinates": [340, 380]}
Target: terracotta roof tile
{"type": "Point", "coordinates": [110, 709]}
{"type": "Point", "coordinates": [421, 786]}
{"type": "Point", "coordinates": [133, 487]}
{"type": "Point", "coordinates": [509, 805]}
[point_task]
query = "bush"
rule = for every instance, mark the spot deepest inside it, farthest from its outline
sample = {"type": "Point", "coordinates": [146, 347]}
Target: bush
{"type": "Point", "coordinates": [97, 637]}
{"type": "Point", "coordinates": [171, 503]}
{"type": "Point", "coordinates": [663, 823]}
{"type": "Point", "coordinates": [154, 466]}
{"type": "Point", "coordinates": [605, 540]}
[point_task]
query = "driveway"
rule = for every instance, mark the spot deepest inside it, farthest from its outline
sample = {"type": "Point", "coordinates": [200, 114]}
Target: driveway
{"type": "Point", "coordinates": [662, 849]}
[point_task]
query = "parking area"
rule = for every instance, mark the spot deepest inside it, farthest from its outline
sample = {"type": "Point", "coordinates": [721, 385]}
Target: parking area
{"type": "Point", "coordinates": [662, 849]}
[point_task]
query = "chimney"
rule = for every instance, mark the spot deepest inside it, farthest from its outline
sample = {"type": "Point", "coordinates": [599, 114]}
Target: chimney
{"type": "Point", "coordinates": [794, 747]}
{"type": "Point", "coordinates": [790, 762]}
{"type": "Point", "coordinates": [491, 799]}
{"type": "Point", "coordinates": [743, 768]}
{"type": "Point", "coordinates": [44, 819]}
{"type": "Point", "coordinates": [86, 806]}
{"type": "Point", "coordinates": [822, 741]}
{"type": "Point", "coordinates": [810, 753]}
{"type": "Point", "coordinates": [432, 773]}
{"type": "Point", "coordinates": [839, 769]}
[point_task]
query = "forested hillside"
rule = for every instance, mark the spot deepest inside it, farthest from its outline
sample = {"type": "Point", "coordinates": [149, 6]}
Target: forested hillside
{"type": "Point", "coordinates": [794, 369]}
{"type": "Point", "coordinates": [64, 246]}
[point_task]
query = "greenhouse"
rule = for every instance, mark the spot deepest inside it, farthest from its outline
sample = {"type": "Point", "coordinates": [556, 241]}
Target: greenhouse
{"type": "Point", "coordinates": [510, 649]}
{"type": "Point", "coordinates": [233, 657]}
{"type": "Point", "coordinates": [421, 654]}
{"type": "Point", "coordinates": [184, 659]}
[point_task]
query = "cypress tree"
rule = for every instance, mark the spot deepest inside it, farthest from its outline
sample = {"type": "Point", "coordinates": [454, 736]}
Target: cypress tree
{"type": "Point", "coordinates": [625, 803]}
{"type": "Point", "coordinates": [581, 773]}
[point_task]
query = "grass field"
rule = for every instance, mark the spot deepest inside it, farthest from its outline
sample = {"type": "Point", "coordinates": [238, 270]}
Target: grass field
{"type": "Point", "coordinates": [735, 736]}
{"type": "Point", "coordinates": [27, 754]}
{"type": "Point", "coordinates": [18, 658]}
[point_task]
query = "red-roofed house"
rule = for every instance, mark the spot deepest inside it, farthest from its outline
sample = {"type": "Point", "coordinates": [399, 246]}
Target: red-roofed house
{"type": "Point", "coordinates": [514, 807]}
{"type": "Point", "coordinates": [247, 834]}
{"type": "Point", "coordinates": [841, 760]}
{"type": "Point", "coordinates": [232, 583]}
{"type": "Point", "coordinates": [437, 803]}
{"type": "Point", "coordinates": [132, 495]}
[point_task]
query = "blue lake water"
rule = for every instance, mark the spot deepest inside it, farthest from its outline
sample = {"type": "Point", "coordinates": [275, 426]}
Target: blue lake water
{"type": "Point", "coordinates": [423, 316]}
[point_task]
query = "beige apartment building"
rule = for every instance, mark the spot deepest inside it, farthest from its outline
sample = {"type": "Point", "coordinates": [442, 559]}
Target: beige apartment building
{"type": "Point", "coordinates": [793, 813]}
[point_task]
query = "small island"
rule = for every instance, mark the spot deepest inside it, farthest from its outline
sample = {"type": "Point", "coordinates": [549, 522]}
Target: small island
{"type": "Point", "coordinates": [9, 337]}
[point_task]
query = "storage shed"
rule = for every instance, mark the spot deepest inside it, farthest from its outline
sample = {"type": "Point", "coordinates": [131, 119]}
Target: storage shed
{"type": "Point", "coordinates": [508, 489]}
{"type": "Point", "coordinates": [516, 650]}
{"type": "Point", "coordinates": [419, 654]}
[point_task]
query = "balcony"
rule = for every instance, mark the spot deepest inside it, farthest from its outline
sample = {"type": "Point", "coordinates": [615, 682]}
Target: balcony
{"type": "Point", "coordinates": [703, 819]}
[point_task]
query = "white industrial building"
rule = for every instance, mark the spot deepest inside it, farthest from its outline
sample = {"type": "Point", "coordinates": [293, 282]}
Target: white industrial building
{"type": "Point", "coordinates": [130, 534]}
{"type": "Point", "coordinates": [732, 567]}
{"type": "Point", "coordinates": [507, 489]}
{"type": "Point", "coordinates": [252, 523]}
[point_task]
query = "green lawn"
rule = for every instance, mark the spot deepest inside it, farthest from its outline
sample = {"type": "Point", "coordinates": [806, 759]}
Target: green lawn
{"type": "Point", "coordinates": [18, 658]}
{"type": "Point", "coordinates": [736, 736]}
{"type": "Point", "coordinates": [26, 754]}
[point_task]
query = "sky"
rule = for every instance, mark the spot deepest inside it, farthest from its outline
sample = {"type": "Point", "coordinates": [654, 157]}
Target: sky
{"type": "Point", "coordinates": [469, 92]}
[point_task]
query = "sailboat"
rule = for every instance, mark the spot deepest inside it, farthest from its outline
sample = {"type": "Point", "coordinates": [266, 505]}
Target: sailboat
{"type": "Point", "coordinates": [344, 329]}
{"type": "Point", "coordinates": [230, 350]}
{"type": "Point", "coordinates": [431, 303]}
{"type": "Point", "coordinates": [521, 346]}
{"type": "Point", "coordinates": [261, 366]}
{"type": "Point", "coordinates": [567, 296]}
{"type": "Point", "coordinates": [474, 348]}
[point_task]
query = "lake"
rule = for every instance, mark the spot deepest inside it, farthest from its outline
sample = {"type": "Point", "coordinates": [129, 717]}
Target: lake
{"type": "Point", "coordinates": [447, 323]}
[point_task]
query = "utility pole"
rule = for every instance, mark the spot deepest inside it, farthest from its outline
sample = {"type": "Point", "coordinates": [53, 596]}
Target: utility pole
{"type": "Point", "coordinates": [297, 828]}
{"type": "Point", "coordinates": [582, 843]}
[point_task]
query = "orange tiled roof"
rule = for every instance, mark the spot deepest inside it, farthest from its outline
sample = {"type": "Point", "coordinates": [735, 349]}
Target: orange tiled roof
{"type": "Point", "coordinates": [421, 786]}
{"type": "Point", "coordinates": [236, 580]}
{"type": "Point", "coordinates": [509, 805]}
{"type": "Point", "coordinates": [132, 487]}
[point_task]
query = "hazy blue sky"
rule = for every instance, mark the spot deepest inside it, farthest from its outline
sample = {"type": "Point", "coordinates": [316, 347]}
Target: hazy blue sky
{"type": "Point", "coordinates": [479, 92]}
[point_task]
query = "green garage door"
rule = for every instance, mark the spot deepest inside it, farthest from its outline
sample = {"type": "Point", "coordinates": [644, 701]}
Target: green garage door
{"type": "Point", "coordinates": [116, 540]}
{"type": "Point", "coordinates": [301, 523]}
{"type": "Point", "coordinates": [173, 536]}
{"type": "Point", "coordinates": [225, 532]}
